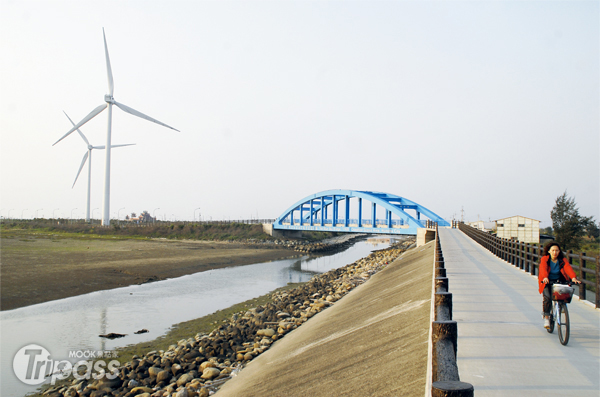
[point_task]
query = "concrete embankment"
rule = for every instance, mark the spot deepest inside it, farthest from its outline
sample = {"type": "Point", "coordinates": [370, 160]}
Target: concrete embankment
{"type": "Point", "coordinates": [373, 342]}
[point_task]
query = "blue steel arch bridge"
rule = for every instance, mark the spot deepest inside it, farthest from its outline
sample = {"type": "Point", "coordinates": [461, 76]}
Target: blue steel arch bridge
{"type": "Point", "coordinates": [321, 212]}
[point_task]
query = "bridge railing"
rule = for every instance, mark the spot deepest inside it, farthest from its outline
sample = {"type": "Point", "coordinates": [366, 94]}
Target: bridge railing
{"type": "Point", "coordinates": [527, 257]}
{"type": "Point", "coordinates": [317, 221]}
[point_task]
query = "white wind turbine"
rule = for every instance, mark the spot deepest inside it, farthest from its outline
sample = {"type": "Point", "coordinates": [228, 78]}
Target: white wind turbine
{"type": "Point", "coordinates": [85, 158]}
{"type": "Point", "coordinates": [109, 102]}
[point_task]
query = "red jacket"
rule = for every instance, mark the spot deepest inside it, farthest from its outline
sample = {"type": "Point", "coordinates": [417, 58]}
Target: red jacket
{"type": "Point", "coordinates": [544, 270]}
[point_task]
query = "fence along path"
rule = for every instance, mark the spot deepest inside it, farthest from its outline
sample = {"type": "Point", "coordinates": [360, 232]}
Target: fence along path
{"type": "Point", "coordinates": [502, 345]}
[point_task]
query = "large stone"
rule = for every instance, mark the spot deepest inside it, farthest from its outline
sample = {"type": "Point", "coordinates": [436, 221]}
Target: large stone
{"type": "Point", "coordinates": [191, 355]}
{"type": "Point", "coordinates": [182, 393]}
{"type": "Point", "coordinates": [163, 376]}
{"type": "Point", "coordinates": [140, 389]}
{"type": "Point", "coordinates": [106, 383]}
{"type": "Point", "coordinates": [203, 392]}
{"type": "Point", "coordinates": [210, 373]}
{"type": "Point", "coordinates": [207, 364]}
{"type": "Point", "coordinates": [268, 332]}
{"type": "Point", "coordinates": [185, 378]}
{"type": "Point", "coordinates": [154, 371]}
{"type": "Point", "coordinates": [176, 369]}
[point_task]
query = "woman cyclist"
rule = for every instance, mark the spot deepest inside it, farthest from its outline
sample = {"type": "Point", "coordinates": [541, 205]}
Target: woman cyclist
{"type": "Point", "coordinates": [554, 267]}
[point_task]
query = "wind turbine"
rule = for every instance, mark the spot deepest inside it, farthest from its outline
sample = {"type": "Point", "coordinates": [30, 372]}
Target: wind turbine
{"type": "Point", "coordinates": [85, 157]}
{"type": "Point", "coordinates": [109, 99]}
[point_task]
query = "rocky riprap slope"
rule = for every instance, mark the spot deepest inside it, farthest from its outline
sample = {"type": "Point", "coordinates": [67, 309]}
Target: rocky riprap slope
{"type": "Point", "coordinates": [199, 365]}
{"type": "Point", "coordinates": [330, 245]}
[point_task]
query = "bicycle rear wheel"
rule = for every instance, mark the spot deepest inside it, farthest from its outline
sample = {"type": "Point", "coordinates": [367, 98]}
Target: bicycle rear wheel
{"type": "Point", "coordinates": [551, 329]}
{"type": "Point", "coordinates": [564, 327]}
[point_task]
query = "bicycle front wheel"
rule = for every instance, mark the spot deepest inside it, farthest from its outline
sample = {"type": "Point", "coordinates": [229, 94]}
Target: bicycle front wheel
{"type": "Point", "coordinates": [564, 327]}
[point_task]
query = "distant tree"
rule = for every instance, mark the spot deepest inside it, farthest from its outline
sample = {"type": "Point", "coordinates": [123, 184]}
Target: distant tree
{"type": "Point", "coordinates": [568, 225]}
{"type": "Point", "coordinates": [547, 231]}
{"type": "Point", "coordinates": [592, 228]}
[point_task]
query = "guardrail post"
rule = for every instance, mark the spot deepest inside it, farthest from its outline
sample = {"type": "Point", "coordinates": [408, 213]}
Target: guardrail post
{"type": "Point", "coordinates": [441, 284]}
{"type": "Point", "coordinates": [444, 337]}
{"type": "Point", "coordinates": [582, 275]}
{"type": "Point", "coordinates": [521, 246]}
{"type": "Point", "coordinates": [443, 306]}
{"type": "Point", "coordinates": [570, 258]}
{"type": "Point", "coordinates": [597, 281]}
{"type": "Point", "coordinates": [452, 389]}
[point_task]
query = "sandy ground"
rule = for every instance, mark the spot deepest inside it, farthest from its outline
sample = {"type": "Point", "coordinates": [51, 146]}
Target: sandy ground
{"type": "Point", "coordinates": [40, 269]}
{"type": "Point", "coordinates": [373, 342]}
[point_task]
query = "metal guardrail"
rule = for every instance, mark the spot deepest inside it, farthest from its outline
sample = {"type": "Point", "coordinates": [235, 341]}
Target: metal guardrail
{"type": "Point", "coordinates": [527, 257]}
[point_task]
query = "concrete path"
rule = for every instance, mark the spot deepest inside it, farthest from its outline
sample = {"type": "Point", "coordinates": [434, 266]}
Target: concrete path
{"type": "Point", "coordinates": [373, 342]}
{"type": "Point", "coordinates": [503, 349]}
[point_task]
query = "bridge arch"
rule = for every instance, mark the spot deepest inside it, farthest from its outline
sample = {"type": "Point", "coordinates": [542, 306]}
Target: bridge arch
{"type": "Point", "coordinates": [321, 212]}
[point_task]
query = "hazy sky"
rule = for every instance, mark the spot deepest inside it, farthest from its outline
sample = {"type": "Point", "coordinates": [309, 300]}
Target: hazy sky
{"type": "Point", "coordinates": [490, 106]}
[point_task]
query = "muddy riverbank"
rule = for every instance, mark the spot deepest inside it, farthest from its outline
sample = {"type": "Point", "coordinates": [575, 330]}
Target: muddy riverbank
{"type": "Point", "coordinates": [36, 269]}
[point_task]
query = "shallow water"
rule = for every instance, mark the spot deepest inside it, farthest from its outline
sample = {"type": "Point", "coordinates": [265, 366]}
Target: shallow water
{"type": "Point", "coordinates": [73, 324]}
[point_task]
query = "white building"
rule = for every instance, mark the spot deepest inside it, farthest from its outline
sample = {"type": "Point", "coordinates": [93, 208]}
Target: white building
{"type": "Point", "coordinates": [484, 226]}
{"type": "Point", "coordinates": [524, 229]}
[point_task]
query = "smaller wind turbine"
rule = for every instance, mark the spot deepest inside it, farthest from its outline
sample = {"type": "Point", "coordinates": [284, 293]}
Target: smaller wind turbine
{"type": "Point", "coordinates": [85, 158]}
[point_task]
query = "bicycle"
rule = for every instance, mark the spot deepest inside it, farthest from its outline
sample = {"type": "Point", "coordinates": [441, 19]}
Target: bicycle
{"type": "Point", "coordinates": [561, 295]}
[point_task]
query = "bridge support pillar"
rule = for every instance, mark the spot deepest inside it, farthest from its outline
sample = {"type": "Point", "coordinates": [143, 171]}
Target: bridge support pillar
{"type": "Point", "coordinates": [268, 228]}
{"type": "Point", "coordinates": [424, 236]}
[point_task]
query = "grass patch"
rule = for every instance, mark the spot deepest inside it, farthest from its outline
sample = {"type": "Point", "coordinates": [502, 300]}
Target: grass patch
{"type": "Point", "coordinates": [57, 229]}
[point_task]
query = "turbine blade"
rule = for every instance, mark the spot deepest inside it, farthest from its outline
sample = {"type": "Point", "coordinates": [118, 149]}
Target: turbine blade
{"type": "Point", "coordinates": [87, 118]}
{"type": "Point", "coordinates": [111, 85]}
{"type": "Point", "coordinates": [141, 115]}
{"type": "Point", "coordinates": [85, 156]}
{"type": "Point", "coordinates": [127, 144]}
{"type": "Point", "coordinates": [80, 133]}
{"type": "Point", "coordinates": [99, 147]}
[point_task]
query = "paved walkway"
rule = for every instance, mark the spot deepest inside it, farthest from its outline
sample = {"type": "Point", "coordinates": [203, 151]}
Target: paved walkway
{"type": "Point", "coordinates": [503, 348]}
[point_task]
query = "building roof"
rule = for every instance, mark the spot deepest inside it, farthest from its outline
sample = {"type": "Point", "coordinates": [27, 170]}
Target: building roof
{"type": "Point", "coordinates": [514, 216]}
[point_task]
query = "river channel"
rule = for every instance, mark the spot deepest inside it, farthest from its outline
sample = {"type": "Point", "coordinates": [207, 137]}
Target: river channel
{"type": "Point", "coordinates": [72, 325]}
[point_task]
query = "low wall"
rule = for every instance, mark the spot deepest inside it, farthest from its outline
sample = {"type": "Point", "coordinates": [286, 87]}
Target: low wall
{"type": "Point", "coordinates": [268, 228]}
{"type": "Point", "coordinates": [424, 236]}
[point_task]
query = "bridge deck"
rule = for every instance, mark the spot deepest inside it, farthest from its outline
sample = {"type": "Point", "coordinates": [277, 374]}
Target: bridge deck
{"type": "Point", "coordinates": [502, 346]}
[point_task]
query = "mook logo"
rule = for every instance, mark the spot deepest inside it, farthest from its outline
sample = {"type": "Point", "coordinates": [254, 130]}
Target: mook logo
{"type": "Point", "coordinates": [33, 364]}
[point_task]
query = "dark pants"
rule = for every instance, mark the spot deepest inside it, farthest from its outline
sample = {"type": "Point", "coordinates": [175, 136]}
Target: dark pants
{"type": "Point", "coordinates": [547, 296]}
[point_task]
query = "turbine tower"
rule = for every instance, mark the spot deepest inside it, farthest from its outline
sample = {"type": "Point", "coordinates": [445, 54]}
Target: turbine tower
{"type": "Point", "coordinates": [108, 98]}
{"type": "Point", "coordinates": [87, 155]}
